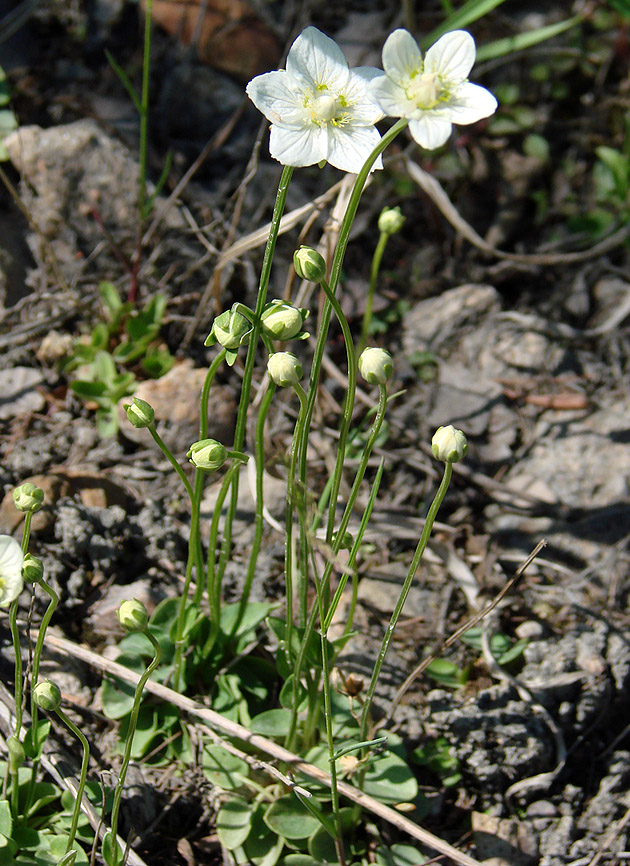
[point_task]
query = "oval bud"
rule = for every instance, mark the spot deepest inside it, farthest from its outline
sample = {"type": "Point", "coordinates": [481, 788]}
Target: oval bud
{"type": "Point", "coordinates": [132, 615]}
{"type": "Point", "coordinates": [28, 497]}
{"type": "Point", "coordinates": [309, 265]}
{"type": "Point", "coordinates": [139, 413]}
{"type": "Point", "coordinates": [376, 366]}
{"type": "Point", "coordinates": [230, 330]}
{"type": "Point", "coordinates": [282, 321]}
{"type": "Point", "coordinates": [390, 220]}
{"type": "Point", "coordinates": [284, 369]}
{"type": "Point", "coordinates": [207, 454]}
{"type": "Point", "coordinates": [32, 569]}
{"type": "Point", "coordinates": [47, 696]}
{"type": "Point", "coordinates": [449, 444]}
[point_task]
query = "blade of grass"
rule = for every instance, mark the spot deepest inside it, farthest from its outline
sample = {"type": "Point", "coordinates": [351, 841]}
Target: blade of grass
{"type": "Point", "coordinates": [469, 12]}
{"type": "Point", "coordinates": [521, 41]}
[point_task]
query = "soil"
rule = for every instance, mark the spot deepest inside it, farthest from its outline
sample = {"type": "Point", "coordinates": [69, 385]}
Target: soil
{"type": "Point", "coordinates": [505, 301]}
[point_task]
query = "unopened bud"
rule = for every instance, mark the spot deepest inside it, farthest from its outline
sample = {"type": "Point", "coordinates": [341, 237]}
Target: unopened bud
{"type": "Point", "coordinates": [139, 413]}
{"type": "Point", "coordinates": [376, 366]}
{"type": "Point", "coordinates": [47, 696]}
{"type": "Point", "coordinates": [449, 444]}
{"type": "Point", "coordinates": [132, 615]}
{"type": "Point", "coordinates": [390, 220]}
{"type": "Point", "coordinates": [309, 265]}
{"type": "Point", "coordinates": [230, 330]}
{"type": "Point", "coordinates": [282, 321]}
{"type": "Point", "coordinates": [207, 454]}
{"type": "Point", "coordinates": [284, 369]}
{"type": "Point", "coordinates": [32, 569]}
{"type": "Point", "coordinates": [28, 497]}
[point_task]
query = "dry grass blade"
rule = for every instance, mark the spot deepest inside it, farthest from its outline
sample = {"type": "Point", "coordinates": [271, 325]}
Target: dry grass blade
{"type": "Point", "coordinates": [231, 729]}
{"type": "Point", "coordinates": [438, 196]}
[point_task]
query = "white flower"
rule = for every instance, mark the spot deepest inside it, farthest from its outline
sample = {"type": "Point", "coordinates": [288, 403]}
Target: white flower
{"type": "Point", "coordinates": [318, 107]}
{"type": "Point", "coordinates": [432, 93]}
{"type": "Point", "coordinates": [11, 558]}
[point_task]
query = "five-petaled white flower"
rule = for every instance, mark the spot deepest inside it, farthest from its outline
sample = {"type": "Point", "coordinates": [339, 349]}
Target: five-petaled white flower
{"type": "Point", "coordinates": [432, 93]}
{"type": "Point", "coordinates": [318, 107]}
{"type": "Point", "coordinates": [11, 558]}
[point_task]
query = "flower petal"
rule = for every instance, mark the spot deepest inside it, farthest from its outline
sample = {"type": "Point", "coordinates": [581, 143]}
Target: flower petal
{"type": "Point", "coordinates": [272, 95]}
{"type": "Point", "coordinates": [470, 103]}
{"type": "Point", "coordinates": [430, 131]}
{"type": "Point", "coordinates": [349, 148]}
{"type": "Point", "coordinates": [452, 56]}
{"type": "Point", "coordinates": [315, 60]}
{"type": "Point", "coordinates": [298, 147]}
{"type": "Point", "coordinates": [401, 57]}
{"type": "Point", "coordinates": [391, 98]}
{"type": "Point", "coordinates": [11, 559]}
{"type": "Point", "coordinates": [365, 111]}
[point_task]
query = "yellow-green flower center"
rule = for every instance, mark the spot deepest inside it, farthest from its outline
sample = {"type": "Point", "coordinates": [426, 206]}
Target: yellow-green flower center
{"type": "Point", "coordinates": [326, 107]}
{"type": "Point", "coordinates": [425, 90]}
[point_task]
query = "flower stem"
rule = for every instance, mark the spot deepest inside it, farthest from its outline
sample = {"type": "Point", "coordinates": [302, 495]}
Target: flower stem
{"type": "Point", "coordinates": [258, 519]}
{"type": "Point", "coordinates": [194, 555]}
{"type": "Point", "coordinates": [374, 269]}
{"type": "Point", "coordinates": [241, 419]}
{"type": "Point", "coordinates": [415, 562]}
{"type": "Point", "coordinates": [82, 778]}
{"type": "Point", "coordinates": [289, 553]}
{"type": "Point", "coordinates": [131, 729]}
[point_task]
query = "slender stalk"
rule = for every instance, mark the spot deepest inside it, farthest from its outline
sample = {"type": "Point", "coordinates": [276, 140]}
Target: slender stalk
{"type": "Point", "coordinates": [340, 251]}
{"type": "Point", "coordinates": [328, 719]}
{"type": "Point", "coordinates": [144, 110]}
{"type": "Point", "coordinates": [37, 653]}
{"type": "Point", "coordinates": [241, 419]}
{"type": "Point", "coordinates": [415, 562]}
{"type": "Point", "coordinates": [200, 475]}
{"type": "Point", "coordinates": [194, 555]}
{"type": "Point", "coordinates": [258, 519]}
{"type": "Point", "coordinates": [82, 777]}
{"type": "Point", "coordinates": [18, 671]}
{"type": "Point", "coordinates": [289, 553]}
{"type": "Point", "coordinates": [369, 303]}
{"type": "Point", "coordinates": [133, 721]}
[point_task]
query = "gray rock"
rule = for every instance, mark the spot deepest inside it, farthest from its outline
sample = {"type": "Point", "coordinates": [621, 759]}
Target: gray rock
{"type": "Point", "coordinates": [18, 392]}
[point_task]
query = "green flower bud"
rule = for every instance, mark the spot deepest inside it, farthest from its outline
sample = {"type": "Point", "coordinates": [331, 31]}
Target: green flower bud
{"type": "Point", "coordinates": [282, 321]}
{"type": "Point", "coordinates": [376, 366]}
{"type": "Point", "coordinates": [139, 413]}
{"type": "Point", "coordinates": [284, 369]}
{"type": "Point", "coordinates": [207, 454]}
{"type": "Point", "coordinates": [132, 615]}
{"type": "Point", "coordinates": [390, 220]}
{"type": "Point", "coordinates": [449, 444]}
{"type": "Point", "coordinates": [32, 569]}
{"type": "Point", "coordinates": [47, 696]}
{"type": "Point", "coordinates": [28, 497]}
{"type": "Point", "coordinates": [309, 265]}
{"type": "Point", "coordinates": [17, 755]}
{"type": "Point", "coordinates": [230, 330]}
{"type": "Point", "coordinates": [346, 542]}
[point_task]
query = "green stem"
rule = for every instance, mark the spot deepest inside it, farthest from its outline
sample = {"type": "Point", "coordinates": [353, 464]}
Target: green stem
{"type": "Point", "coordinates": [37, 653]}
{"type": "Point", "coordinates": [200, 475]}
{"type": "Point", "coordinates": [82, 778]}
{"type": "Point", "coordinates": [144, 110]}
{"type": "Point", "coordinates": [241, 418]}
{"type": "Point", "coordinates": [328, 719]}
{"type": "Point", "coordinates": [194, 555]}
{"type": "Point", "coordinates": [415, 562]}
{"type": "Point", "coordinates": [374, 269]}
{"type": "Point", "coordinates": [258, 519]}
{"type": "Point", "coordinates": [340, 251]}
{"type": "Point", "coordinates": [133, 721]}
{"type": "Point", "coordinates": [214, 584]}
{"type": "Point", "coordinates": [289, 552]}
